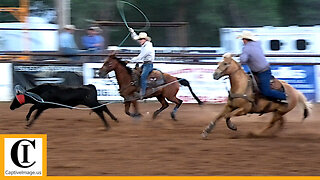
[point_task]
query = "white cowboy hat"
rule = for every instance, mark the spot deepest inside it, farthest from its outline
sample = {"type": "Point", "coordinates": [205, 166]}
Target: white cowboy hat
{"type": "Point", "coordinates": [68, 26]}
{"type": "Point", "coordinates": [144, 35]}
{"type": "Point", "coordinates": [247, 35]}
{"type": "Point", "coordinates": [97, 29]}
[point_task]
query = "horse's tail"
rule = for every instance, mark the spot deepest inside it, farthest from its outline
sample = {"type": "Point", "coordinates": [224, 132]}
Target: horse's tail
{"type": "Point", "coordinates": [185, 82]}
{"type": "Point", "coordinates": [307, 106]}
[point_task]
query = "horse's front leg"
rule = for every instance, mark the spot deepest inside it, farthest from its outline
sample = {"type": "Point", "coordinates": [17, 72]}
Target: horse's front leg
{"type": "Point", "coordinates": [227, 109]}
{"type": "Point", "coordinates": [136, 109]}
{"type": "Point", "coordinates": [236, 112]}
{"type": "Point", "coordinates": [127, 107]}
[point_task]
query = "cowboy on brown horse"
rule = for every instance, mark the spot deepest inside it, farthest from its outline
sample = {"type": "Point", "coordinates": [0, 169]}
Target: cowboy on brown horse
{"type": "Point", "coordinates": [146, 55]}
{"type": "Point", "coordinates": [168, 89]}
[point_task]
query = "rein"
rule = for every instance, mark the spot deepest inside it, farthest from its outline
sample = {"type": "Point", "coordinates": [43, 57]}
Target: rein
{"type": "Point", "coordinates": [235, 71]}
{"type": "Point", "coordinates": [244, 95]}
{"type": "Point", "coordinates": [153, 90]}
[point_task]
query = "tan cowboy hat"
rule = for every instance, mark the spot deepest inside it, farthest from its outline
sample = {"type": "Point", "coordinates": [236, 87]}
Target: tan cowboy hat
{"type": "Point", "coordinates": [144, 35]}
{"type": "Point", "coordinates": [247, 35]}
{"type": "Point", "coordinates": [70, 27]}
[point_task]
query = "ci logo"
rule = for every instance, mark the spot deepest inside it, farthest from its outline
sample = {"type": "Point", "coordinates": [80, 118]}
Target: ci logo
{"type": "Point", "coordinates": [26, 146]}
{"type": "Point", "coordinates": [24, 155]}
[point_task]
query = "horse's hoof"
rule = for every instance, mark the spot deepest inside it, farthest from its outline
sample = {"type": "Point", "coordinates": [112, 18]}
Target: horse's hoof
{"type": "Point", "coordinates": [154, 116]}
{"type": "Point", "coordinates": [27, 126]}
{"type": "Point", "coordinates": [233, 127]}
{"type": "Point", "coordinates": [252, 135]}
{"type": "Point", "coordinates": [173, 116]}
{"type": "Point", "coordinates": [136, 115]}
{"type": "Point", "coordinates": [230, 125]}
{"type": "Point", "coordinates": [204, 134]}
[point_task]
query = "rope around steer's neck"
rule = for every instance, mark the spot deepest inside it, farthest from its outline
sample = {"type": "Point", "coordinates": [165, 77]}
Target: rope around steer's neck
{"type": "Point", "coordinates": [39, 99]}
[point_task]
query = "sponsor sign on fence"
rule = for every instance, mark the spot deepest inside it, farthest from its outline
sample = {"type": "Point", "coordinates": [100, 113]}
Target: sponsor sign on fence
{"type": "Point", "coordinates": [301, 77]}
{"type": "Point", "coordinates": [199, 76]}
{"type": "Point", "coordinates": [30, 76]}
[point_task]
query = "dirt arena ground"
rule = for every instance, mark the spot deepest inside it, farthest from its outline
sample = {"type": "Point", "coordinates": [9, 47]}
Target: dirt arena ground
{"type": "Point", "coordinates": [78, 144]}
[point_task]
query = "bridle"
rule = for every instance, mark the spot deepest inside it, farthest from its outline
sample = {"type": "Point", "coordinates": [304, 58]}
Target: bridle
{"type": "Point", "coordinates": [233, 95]}
{"type": "Point", "coordinates": [227, 66]}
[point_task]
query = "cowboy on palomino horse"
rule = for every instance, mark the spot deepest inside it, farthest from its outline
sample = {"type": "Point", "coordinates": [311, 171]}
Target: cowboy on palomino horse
{"type": "Point", "coordinates": [243, 99]}
{"type": "Point", "coordinates": [253, 56]}
{"type": "Point", "coordinates": [146, 55]}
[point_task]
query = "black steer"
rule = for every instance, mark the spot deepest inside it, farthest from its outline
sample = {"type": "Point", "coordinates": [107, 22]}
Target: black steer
{"type": "Point", "coordinates": [71, 96]}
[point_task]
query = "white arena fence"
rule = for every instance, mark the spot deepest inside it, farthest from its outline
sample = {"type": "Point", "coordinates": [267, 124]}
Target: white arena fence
{"type": "Point", "coordinates": [298, 72]}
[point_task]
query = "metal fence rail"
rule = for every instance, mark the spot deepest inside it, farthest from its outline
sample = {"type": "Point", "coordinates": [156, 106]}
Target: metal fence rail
{"type": "Point", "coordinates": [163, 55]}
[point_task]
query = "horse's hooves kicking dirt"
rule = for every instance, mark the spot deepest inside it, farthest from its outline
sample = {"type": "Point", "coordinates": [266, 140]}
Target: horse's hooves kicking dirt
{"type": "Point", "coordinates": [255, 135]}
{"type": "Point", "coordinates": [173, 116]}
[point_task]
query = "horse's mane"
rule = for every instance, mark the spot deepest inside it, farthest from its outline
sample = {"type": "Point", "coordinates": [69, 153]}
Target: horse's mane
{"type": "Point", "coordinates": [238, 64]}
{"type": "Point", "coordinates": [229, 55]}
{"type": "Point", "coordinates": [124, 64]}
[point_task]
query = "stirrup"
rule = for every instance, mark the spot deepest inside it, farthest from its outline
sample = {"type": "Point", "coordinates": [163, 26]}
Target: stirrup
{"type": "Point", "coordinates": [285, 101]}
{"type": "Point", "coordinates": [137, 96]}
{"type": "Point", "coordinates": [141, 96]}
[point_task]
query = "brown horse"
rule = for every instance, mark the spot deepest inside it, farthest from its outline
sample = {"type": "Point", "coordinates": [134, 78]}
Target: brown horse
{"type": "Point", "coordinates": [128, 86]}
{"type": "Point", "coordinates": [243, 100]}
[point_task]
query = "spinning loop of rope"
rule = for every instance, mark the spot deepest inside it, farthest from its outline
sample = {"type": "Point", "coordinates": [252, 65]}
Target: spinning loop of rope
{"type": "Point", "coordinates": [120, 6]}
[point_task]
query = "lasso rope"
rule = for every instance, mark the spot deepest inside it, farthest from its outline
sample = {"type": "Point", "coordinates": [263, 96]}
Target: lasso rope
{"type": "Point", "coordinates": [120, 6]}
{"type": "Point", "coordinates": [39, 99]}
{"type": "Point", "coordinates": [155, 89]}
{"type": "Point", "coordinates": [63, 105]}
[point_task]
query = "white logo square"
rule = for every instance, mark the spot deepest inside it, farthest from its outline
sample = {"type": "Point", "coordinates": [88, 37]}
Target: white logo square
{"type": "Point", "coordinates": [23, 157]}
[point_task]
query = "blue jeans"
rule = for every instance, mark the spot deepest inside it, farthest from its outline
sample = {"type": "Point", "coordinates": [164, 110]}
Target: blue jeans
{"type": "Point", "coordinates": [146, 69]}
{"type": "Point", "coordinates": [264, 86]}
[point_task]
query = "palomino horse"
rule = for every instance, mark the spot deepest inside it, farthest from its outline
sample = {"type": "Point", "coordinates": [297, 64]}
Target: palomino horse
{"type": "Point", "coordinates": [242, 100]}
{"type": "Point", "coordinates": [127, 87]}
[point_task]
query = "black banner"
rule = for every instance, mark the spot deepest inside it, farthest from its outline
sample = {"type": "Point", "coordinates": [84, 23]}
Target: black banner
{"type": "Point", "coordinates": [30, 76]}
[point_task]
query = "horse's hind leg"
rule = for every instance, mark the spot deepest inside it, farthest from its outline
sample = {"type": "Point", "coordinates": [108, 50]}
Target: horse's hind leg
{"type": "Point", "coordinates": [178, 103]}
{"type": "Point", "coordinates": [164, 104]}
{"type": "Point", "coordinates": [276, 117]}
